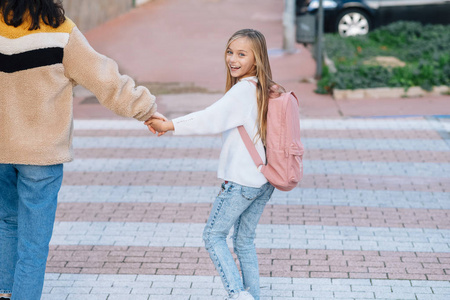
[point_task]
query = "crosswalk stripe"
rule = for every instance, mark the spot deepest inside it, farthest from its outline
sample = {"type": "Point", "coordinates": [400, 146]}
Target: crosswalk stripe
{"type": "Point", "coordinates": [215, 142]}
{"type": "Point", "coordinates": [298, 196]}
{"type": "Point", "coordinates": [310, 166]}
{"type": "Point", "coordinates": [330, 124]}
{"type": "Point", "coordinates": [268, 236]}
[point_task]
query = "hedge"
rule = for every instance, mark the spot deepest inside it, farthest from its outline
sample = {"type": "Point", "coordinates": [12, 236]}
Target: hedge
{"type": "Point", "coordinates": [424, 49]}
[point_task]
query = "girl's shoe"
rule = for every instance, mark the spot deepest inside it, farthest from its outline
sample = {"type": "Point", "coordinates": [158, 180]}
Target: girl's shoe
{"type": "Point", "coordinates": [244, 295]}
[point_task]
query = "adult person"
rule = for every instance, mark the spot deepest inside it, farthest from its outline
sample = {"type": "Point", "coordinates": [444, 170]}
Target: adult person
{"type": "Point", "coordinates": [43, 56]}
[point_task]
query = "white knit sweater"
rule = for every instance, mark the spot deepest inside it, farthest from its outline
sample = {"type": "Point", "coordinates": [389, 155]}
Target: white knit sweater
{"type": "Point", "coordinates": [237, 107]}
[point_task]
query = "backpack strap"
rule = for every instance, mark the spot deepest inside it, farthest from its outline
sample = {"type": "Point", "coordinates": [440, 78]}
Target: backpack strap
{"type": "Point", "coordinates": [254, 82]}
{"type": "Point", "coordinates": [248, 142]}
{"type": "Point", "coordinates": [250, 147]}
{"type": "Point", "coordinates": [292, 93]}
{"type": "Point", "coordinates": [295, 96]}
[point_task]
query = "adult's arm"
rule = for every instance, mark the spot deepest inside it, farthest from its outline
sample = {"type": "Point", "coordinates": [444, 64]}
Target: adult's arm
{"type": "Point", "coordinates": [100, 74]}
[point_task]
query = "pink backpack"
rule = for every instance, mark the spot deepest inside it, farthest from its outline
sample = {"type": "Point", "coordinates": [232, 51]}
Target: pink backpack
{"type": "Point", "coordinates": [284, 150]}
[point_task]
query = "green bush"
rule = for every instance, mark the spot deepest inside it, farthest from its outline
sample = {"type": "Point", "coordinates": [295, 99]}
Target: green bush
{"type": "Point", "coordinates": [424, 49]}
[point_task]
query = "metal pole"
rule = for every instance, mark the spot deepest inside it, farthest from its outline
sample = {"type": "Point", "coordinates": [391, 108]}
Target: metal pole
{"type": "Point", "coordinates": [319, 41]}
{"type": "Point", "coordinates": [289, 26]}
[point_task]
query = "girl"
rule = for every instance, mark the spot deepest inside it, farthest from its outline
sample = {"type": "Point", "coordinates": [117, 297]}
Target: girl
{"type": "Point", "coordinates": [245, 191]}
{"type": "Point", "coordinates": [42, 57]}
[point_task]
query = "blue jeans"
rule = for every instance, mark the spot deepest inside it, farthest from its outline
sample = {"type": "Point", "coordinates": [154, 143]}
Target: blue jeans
{"type": "Point", "coordinates": [241, 207]}
{"type": "Point", "coordinates": [28, 198]}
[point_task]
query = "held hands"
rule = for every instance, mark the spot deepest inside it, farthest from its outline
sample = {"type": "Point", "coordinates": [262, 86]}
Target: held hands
{"type": "Point", "coordinates": [159, 123]}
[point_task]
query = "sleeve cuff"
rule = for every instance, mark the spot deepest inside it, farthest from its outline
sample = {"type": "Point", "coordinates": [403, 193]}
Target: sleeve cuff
{"type": "Point", "coordinates": [149, 114]}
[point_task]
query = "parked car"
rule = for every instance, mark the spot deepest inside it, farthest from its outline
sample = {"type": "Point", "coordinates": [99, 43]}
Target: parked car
{"type": "Point", "coordinates": [358, 17]}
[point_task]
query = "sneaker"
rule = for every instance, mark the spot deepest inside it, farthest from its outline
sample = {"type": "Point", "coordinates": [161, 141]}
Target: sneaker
{"type": "Point", "coordinates": [244, 295]}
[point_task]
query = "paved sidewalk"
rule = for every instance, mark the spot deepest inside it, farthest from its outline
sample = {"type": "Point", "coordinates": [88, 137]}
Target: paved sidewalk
{"type": "Point", "coordinates": [370, 220]}
{"type": "Point", "coordinates": [182, 41]}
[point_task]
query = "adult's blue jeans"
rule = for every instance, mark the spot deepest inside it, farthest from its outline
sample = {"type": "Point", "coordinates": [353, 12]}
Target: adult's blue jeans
{"type": "Point", "coordinates": [241, 207]}
{"type": "Point", "coordinates": [28, 199]}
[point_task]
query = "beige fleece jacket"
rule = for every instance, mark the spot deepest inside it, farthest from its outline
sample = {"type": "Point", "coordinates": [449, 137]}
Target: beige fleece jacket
{"type": "Point", "coordinates": [38, 71]}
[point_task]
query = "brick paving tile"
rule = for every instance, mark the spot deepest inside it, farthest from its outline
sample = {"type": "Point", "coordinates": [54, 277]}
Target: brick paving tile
{"type": "Point", "coordinates": [273, 262]}
{"type": "Point", "coordinates": [315, 167]}
{"type": "Point", "coordinates": [134, 287]}
{"type": "Point", "coordinates": [273, 214]}
{"type": "Point", "coordinates": [368, 216]}
{"type": "Point", "coordinates": [363, 182]}
{"type": "Point", "coordinates": [117, 132]}
{"type": "Point", "coordinates": [310, 154]}
{"type": "Point", "coordinates": [377, 155]}
{"type": "Point", "coordinates": [306, 133]}
{"type": "Point", "coordinates": [215, 142]}
{"type": "Point", "coordinates": [395, 123]}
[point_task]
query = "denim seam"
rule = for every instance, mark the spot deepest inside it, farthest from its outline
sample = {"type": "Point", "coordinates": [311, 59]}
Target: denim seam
{"type": "Point", "coordinates": [212, 248]}
{"type": "Point", "coordinates": [220, 269]}
{"type": "Point", "coordinates": [236, 231]}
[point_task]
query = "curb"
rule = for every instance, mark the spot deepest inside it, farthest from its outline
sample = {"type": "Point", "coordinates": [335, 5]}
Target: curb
{"type": "Point", "coordinates": [384, 92]}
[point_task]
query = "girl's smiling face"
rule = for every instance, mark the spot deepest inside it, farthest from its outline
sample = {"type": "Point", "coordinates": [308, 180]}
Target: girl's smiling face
{"type": "Point", "coordinates": [240, 58]}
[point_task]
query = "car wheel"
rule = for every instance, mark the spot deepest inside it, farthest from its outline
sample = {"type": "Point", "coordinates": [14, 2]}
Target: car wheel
{"type": "Point", "coordinates": [353, 22]}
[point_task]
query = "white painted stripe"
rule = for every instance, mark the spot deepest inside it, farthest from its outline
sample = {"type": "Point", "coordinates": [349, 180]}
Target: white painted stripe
{"type": "Point", "coordinates": [216, 143]}
{"type": "Point", "coordinates": [268, 236]}
{"type": "Point", "coordinates": [181, 287]}
{"type": "Point", "coordinates": [322, 124]}
{"type": "Point", "coordinates": [33, 41]}
{"type": "Point", "coordinates": [310, 166]}
{"type": "Point", "coordinates": [105, 124]}
{"type": "Point", "coordinates": [143, 142]}
{"type": "Point", "coordinates": [298, 196]}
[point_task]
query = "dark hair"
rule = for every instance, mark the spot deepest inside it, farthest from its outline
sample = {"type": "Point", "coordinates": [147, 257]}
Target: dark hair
{"type": "Point", "coordinates": [16, 11]}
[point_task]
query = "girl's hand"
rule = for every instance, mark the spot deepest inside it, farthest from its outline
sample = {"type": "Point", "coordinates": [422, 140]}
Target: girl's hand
{"type": "Point", "coordinates": [156, 125]}
{"type": "Point", "coordinates": [156, 115]}
{"type": "Point", "coordinates": [159, 126]}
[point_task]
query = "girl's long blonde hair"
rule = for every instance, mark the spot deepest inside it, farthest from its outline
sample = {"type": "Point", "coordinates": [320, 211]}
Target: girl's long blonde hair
{"type": "Point", "coordinates": [266, 86]}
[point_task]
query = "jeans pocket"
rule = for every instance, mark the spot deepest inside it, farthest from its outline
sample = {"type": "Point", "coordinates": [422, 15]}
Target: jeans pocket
{"type": "Point", "coordinates": [250, 193]}
{"type": "Point", "coordinates": [222, 189]}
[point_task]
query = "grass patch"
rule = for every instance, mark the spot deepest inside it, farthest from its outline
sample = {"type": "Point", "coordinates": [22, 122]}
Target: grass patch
{"type": "Point", "coordinates": [424, 49]}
